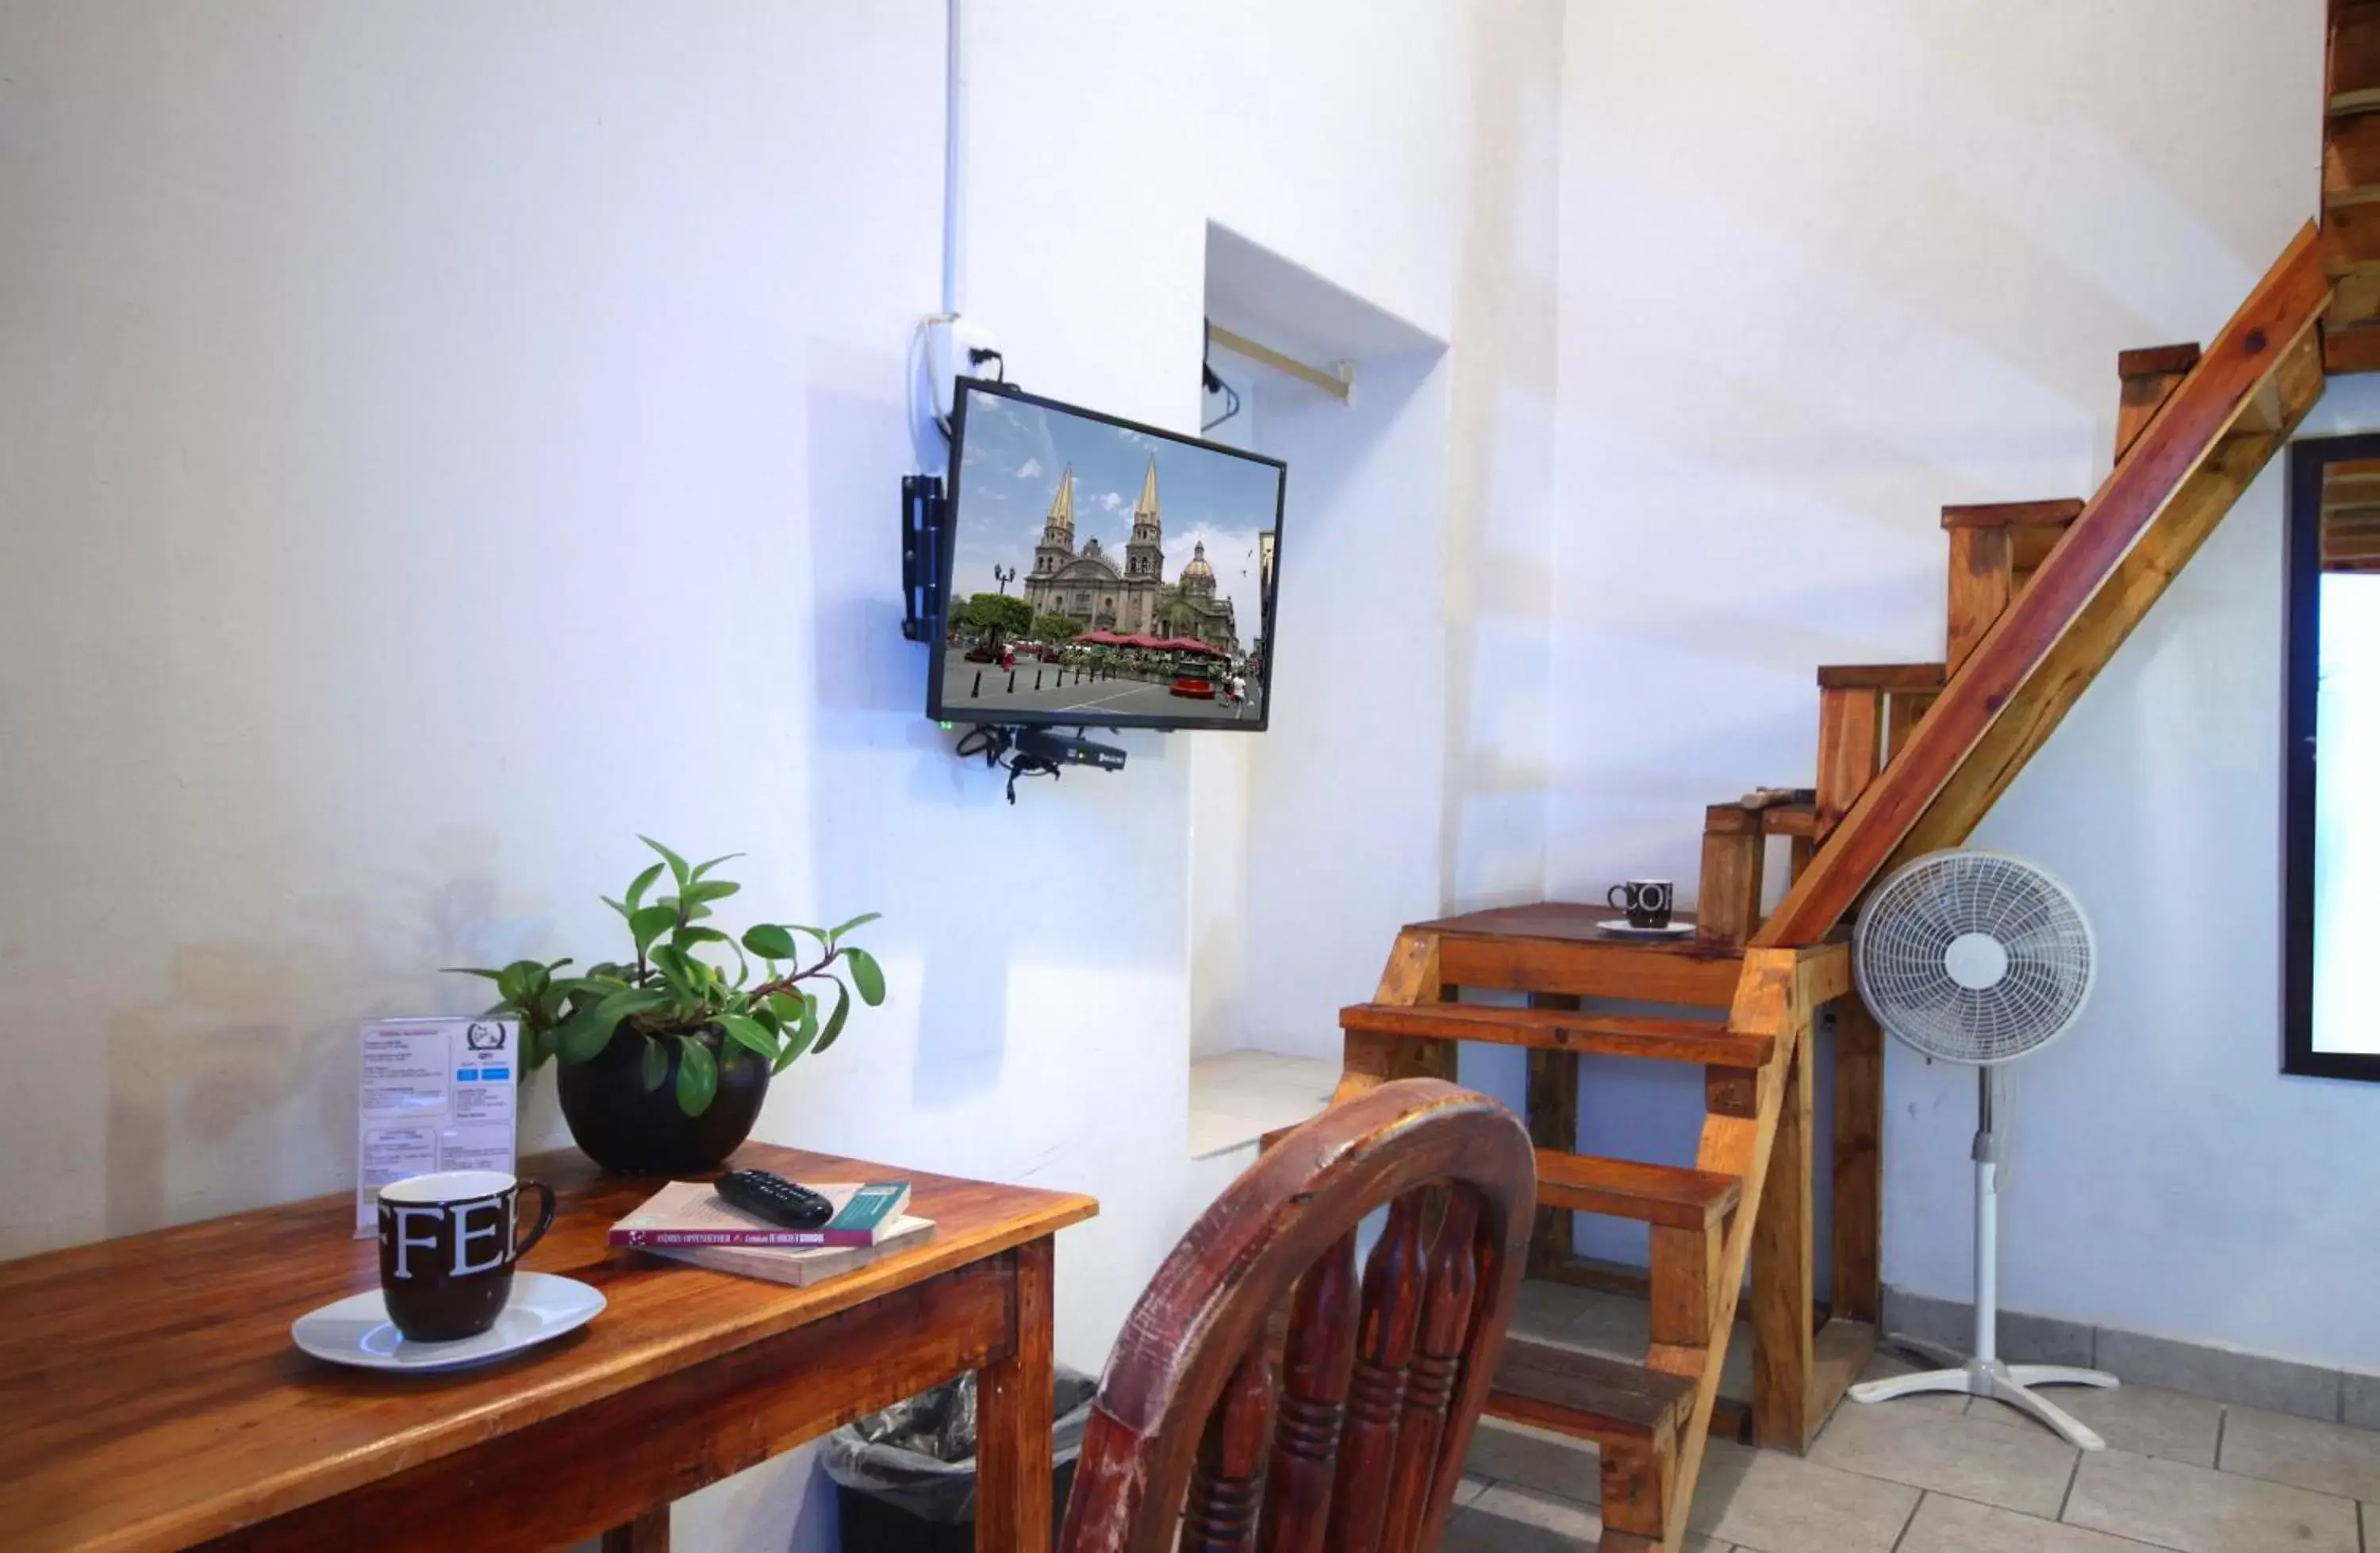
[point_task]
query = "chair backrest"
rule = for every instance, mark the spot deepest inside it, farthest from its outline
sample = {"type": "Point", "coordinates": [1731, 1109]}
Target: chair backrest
{"type": "Point", "coordinates": [1262, 1395]}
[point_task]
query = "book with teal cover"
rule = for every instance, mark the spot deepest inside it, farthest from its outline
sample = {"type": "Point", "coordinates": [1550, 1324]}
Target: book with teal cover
{"type": "Point", "coordinates": [690, 1213]}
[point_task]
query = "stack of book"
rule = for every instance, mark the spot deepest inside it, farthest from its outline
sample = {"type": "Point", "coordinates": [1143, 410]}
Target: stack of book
{"type": "Point", "coordinates": [687, 1220]}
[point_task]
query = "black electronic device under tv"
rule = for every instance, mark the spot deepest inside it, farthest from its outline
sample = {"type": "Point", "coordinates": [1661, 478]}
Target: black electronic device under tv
{"type": "Point", "coordinates": [1098, 572]}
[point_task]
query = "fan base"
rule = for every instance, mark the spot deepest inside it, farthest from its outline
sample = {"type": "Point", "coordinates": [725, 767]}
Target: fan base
{"type": "Point", "coordinates": [1990, 1377]}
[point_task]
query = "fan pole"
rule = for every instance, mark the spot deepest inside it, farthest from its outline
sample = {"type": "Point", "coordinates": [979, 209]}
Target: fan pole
{"type": "Point", "coordinates": [1987, 1220]}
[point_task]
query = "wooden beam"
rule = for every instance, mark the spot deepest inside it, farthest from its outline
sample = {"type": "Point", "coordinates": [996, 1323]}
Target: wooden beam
{"type": "Point", "coordinates": [1881, 676]}
{"type": "Point", "coordinates": [2033, 712]}
{"type": "Point", "coordinates": [2012, 515]}
{"type": "Point", "coordinates": [2185, 436]}
{"type": "Point", "coordinates": [1858, 1163]}
{"type": "Point", "coordinates": [1734, 849]}
{"type": "Point", "coordinates": [1851, 742]}
{"type": "Point", "coordinates": [1553, 1123]}
{"type": "Point", "coordinates": [1982, 584]}
{"type": "Point", "coordinates": [2148, 379]}
{"type": "Point", "coordinates": [1773, 998]}
{"type": "Point", "coordinates": [1370, 1058]}
{"type": "Point", "coordinates": [1783, 1286]}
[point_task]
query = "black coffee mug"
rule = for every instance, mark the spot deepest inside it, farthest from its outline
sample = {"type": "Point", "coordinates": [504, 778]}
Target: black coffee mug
{"type": "Point", "coordinates": [1647, 902]}
{"type": "Point", "coordinates": [447, 1244]}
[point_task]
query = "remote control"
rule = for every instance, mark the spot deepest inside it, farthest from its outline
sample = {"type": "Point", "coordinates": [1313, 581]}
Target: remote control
{"type": "Point", "coordinates": [774, 1198]}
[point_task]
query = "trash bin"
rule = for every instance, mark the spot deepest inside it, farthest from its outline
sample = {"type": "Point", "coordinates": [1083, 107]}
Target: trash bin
{"type": "Point", "coordinates": [904, 1478]}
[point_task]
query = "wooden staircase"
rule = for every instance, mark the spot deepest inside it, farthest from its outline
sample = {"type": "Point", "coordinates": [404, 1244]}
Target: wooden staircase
{"type": "Point", "coordinates": [2040, 593]}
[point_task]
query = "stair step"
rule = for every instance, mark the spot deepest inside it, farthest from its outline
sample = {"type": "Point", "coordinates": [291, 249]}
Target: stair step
{"type": "Point", "coordinates": [1924, 678]}
{"type": "Point", "coordinates": [1798, 817]}
{"type": "Point", "coordinates": [1586, 1396]}
{"type": "Point", "coordinates": [1667, 1194]}
{"type": "Point", "coordinates": [2158, 361]}
{"type": "Point", "coordinates": [1560, 946]}
{"type": "Point", "coordinates": [2012, 515]}
{"type": "Point", "coordinates": [1672, 1040]}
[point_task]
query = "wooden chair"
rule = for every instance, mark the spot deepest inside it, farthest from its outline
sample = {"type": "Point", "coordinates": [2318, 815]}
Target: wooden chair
{"type": "Point", "coordinates": [1347, 1431]}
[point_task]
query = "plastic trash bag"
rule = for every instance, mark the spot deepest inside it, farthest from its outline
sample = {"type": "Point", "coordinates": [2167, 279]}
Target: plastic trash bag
{"type": "Point", "coordinates": [919, 1455]}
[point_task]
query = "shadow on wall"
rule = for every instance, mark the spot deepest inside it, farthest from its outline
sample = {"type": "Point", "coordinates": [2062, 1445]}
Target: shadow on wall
{"type": "Point", "coordinates": [897, 823]}
{"type": "Point", "coordinates": [1499, 602]}
{"type": "Point", "coordinates": [248, 1061]}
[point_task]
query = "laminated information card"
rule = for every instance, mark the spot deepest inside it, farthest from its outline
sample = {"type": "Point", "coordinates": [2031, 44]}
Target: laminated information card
{"type": "Point", "coordinates": [436, 1095]}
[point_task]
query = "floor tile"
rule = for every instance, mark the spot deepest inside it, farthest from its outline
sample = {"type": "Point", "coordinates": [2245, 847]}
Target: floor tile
{"type": "Point", "coordinates": [1783, 1504]}
{"type": "Point", "coordinates": [1963, 1457]}
{"type": "Point", "coordinates": [1473, 1530]}
{"type": "Point", "coordinates": [1469, 1490]}
{"type": "Point", "coordinates": [1503, 1452]}
{"type": "Point", "coordinates": [2196, 1510]}
{"type": "Point", "coordinates": [1542, 1310]}
{"type": "Point", "coordinates": [1949, 1525]}
{"type": "Point", "coordinates": [2327, 1458]}
{"type": "Point", "coordinates": [2143, 1420]}
{"type": "Point", "coordinates": [1550, 1512]}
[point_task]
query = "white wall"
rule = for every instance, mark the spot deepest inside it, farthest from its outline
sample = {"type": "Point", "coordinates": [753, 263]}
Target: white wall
{"type": "Point", "coordinates": [1822, 272]}
{"type": "Point", "coordinates": [441, 441]}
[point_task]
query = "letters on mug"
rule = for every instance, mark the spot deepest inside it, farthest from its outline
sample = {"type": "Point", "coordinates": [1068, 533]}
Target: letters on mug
{"type": "Point", "coordinates": [406, 1213]}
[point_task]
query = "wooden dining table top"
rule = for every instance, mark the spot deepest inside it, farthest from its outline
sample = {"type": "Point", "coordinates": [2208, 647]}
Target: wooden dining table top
{"type": "Point", "coordinates": [151, 1395]}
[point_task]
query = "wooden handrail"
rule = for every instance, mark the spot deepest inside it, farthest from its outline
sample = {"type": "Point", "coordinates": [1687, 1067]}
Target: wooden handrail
{"type": "Point", "coordinates": [2281, 310]}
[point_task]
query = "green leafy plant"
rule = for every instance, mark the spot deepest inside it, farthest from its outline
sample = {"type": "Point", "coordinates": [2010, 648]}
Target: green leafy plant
{"type": "Point", "coordinates": [669, 993]}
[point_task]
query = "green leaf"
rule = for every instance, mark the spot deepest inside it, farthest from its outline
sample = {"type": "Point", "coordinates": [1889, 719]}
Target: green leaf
{"type": "Point", "coordinates": [648, 923]}
{"type": "Point", "coordinates": [471, 970]}
{"type": "Point", "coordinates": [677, 869]}
{"type": "Point", "coordinates": [867, 977]}
{"type": "Point", "coordinates": [749, 1031]}
{"type": "Point", "coordinates": [680, 971]}
{"type": "Point", "coordinates": [862, 920]}
{"type": "Point", "coordinates": [805, 1032]}
{"type": "Point", "coordinates": [702, 868]}
{"type": "Point", "coordinates": [697, 1077]}
{"type": "Point", "coordinates": [769, 942]}
{"type": "Point", "coordinates": [585, 1036]}
{"type": "Point", "coordinates": [834, 1021]}
{"type": "Point", "coordinates": [711, 890]}
{"type": "Point", "coordinates": [656, 1068]}
{"type": "Point", "coordinates": [636, 1000]}
{"type": "Point", "coordinates": [642, 882]}
{"type": "Point", "coordinates": [691, 934]}
{"type": "Point", "coordinates": [621, 906]}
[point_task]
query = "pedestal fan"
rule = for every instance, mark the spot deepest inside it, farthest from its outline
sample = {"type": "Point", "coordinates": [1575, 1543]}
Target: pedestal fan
{"type": "Point", "coordinates": [1978, 958]}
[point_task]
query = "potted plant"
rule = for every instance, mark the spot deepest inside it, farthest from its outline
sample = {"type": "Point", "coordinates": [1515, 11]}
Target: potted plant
{"type": "Point", "coordinates": [664, 1059]}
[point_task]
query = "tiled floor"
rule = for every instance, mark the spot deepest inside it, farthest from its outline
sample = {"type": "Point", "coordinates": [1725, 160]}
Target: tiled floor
{"type": "Point", "coordinates": [1944, 1474]}
{"type": "Point", "coordinates": [1239, 1096]}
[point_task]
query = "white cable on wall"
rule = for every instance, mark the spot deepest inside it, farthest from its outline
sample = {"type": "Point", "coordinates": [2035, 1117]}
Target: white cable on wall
{"type": "Point", "coordinates": [955, 161]}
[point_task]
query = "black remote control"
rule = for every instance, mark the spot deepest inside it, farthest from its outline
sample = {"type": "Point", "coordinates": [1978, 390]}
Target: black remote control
{"type": "Point", "coordinates": [774, 1198]}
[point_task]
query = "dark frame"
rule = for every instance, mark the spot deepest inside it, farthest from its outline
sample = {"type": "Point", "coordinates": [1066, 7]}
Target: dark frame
{"type": "Point", "coordinates": [947, 562]}
{"type": "Point", "coordinates": [2302, 626]}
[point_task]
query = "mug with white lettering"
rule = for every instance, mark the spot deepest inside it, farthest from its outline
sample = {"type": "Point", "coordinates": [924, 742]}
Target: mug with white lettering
{"type": "Point", "coordinates": [447, 1244]}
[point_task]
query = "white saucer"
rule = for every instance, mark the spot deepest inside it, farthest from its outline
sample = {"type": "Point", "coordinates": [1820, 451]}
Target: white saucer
{"type": "Point", "coordinates": [1622, 925]}
{"type": "Point", "coordinates": [356, 1331]}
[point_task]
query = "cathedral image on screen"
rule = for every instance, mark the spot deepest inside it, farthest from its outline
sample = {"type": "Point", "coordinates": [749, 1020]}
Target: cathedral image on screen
{"type": "Point", "coordinates": [1100, 569]}
{"type": "Point", "coordinates": [1136, 600]}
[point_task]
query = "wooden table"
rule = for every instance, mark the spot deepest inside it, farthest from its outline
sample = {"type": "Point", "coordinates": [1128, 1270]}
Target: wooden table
{"type": "Point", "coordinates": [151, 1397]}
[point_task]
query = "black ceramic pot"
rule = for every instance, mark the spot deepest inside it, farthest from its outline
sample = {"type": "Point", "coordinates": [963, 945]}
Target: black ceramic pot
{"type": "Point", "coordinates": [630, 1130]}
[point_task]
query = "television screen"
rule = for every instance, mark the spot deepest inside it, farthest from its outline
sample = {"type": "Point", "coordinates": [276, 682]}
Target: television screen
{"type": "Point", "coordinates": [1102, 574]}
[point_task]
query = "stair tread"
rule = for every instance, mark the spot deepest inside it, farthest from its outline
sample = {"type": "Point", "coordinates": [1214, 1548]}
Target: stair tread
{"type": "Point", "coordinates": [1674, 1040]}
{"type": "Point", "coordinates": [1586, 1395]}
{"type": "Point", "coordinates": [2012, 515]}
{"type": "Point", "coordinates": [1673, 1196]}
{"type": "Point", "coordinates": [1882, 676]}
{"type": "Point", "coordinates": [2157, 362]}
{"type": "Point", "coordinates": [1568, 921]}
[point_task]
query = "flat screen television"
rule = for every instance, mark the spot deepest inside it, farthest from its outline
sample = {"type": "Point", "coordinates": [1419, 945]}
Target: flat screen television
{"type": "Point", "coordinates": [1097, 572]}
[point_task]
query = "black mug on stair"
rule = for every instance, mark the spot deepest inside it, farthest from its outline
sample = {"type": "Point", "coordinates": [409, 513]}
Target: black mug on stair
{"type": "Point", "coordinates": [1647, 902]}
